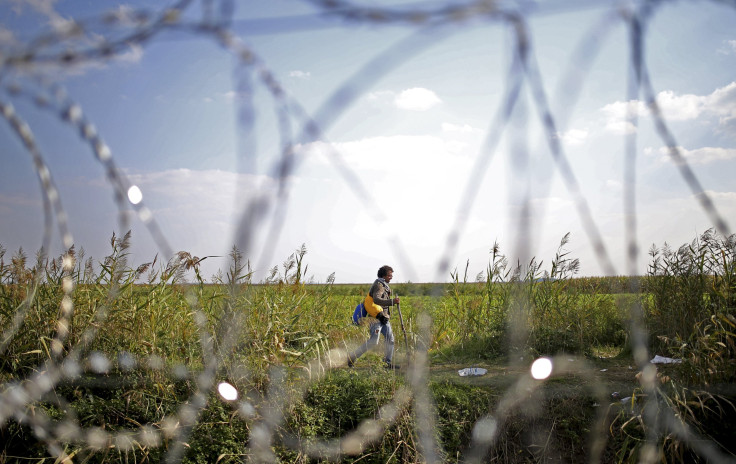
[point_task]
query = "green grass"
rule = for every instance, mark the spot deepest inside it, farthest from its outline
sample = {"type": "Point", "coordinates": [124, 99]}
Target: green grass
{"type": "Point", "coordinates": [159, 334]}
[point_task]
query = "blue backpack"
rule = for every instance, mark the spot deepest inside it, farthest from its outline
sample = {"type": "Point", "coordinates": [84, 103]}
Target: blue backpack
{"type": "Point", "coordinates": [359, 314]}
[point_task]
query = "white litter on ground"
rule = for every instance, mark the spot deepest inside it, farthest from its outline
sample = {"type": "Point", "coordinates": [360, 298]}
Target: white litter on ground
{"type": "Point", "coordinates": [468, 371]}
{"type": "Point", "coordinates": [657, 359]}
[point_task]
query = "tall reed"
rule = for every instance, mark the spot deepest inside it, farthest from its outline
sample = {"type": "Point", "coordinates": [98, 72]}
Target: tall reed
{"type": "Point", "coordinates": [688, 285]}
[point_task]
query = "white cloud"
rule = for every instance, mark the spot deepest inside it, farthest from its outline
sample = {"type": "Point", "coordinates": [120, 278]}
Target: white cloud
{"type": "Point", "coordinates": [552, 204]}
{"type": "Point", "coordinates": [417, 99]}
{"type": "Point", "coordinates": [705, 155]}
{"type": "Point", "coordinates": [728, 47]}
{"type": "Point", "coordinates": [420, 177]}
{"type": "Point", "coordinates": [573, 137]}
{"type": "Point", "coordinates": [205, 204]}
{"type": "Point", "coordinates": [399, 152]}
{"type": "Point", "coordinates": [457, 147]}
{"type": "Point", "coordinates": [721, 103]}
{"type": "Point", "coordinates": [380, 95]}
{"type": "Point", "coordinates": [722, 100]}
{"type": "Point", "coordinates": [681, 107]}
{"type": "Point", "coordinates": [414, 99]}
{"type": "Point", "coordinates": [196, 210]}
{"type": "Point", "coordinates": [620, 110]}
{"type": "Point", "coordinates": [123, 15]}
{"type": "Point", "coordinates": [133, 54]}
{"type": "Point", "coordinates": [297, 74]}
{"type": "Point", "coordinates": [183, 199]}
{"type": "Point", "coordinates": [614, 185]}
{"type": "Point", "coordinates": [620, 127]}
{"type": "Point", "coordinates": [63, 26]}
{"type": "Point", "coordinates": [7, 37]}
{"type": "Point", "coordinates": [196, 190]}
{"type": "Point", "coordinates": [460, 128]}
{"type": "Point", "coordinates": [673, 107]}
{"type": "Point", "coordinates": [44, 7]}
{"type": "Point", "coordinates": [728, 196]}
{"type": "Point", "coordinates": [18, 200]}
{"type": "Point", "coordinates": [616, 116]}
{"type": "Point", "coordinates": [235, 95]}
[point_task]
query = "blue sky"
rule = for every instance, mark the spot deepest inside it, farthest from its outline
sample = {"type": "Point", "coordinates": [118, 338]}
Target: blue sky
{"type": "Point", "coordinates": [168, 109]}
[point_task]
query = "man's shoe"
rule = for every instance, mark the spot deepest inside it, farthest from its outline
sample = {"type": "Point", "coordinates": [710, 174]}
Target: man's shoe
{"type": "Point", "coordinates": [390, 365]}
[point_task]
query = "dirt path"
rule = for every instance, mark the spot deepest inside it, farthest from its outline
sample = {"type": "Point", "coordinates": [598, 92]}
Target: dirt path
{"type": "Point", "coordinates": [612, 374]}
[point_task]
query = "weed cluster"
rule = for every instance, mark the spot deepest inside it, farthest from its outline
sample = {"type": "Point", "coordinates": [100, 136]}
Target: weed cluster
{"type": "Point", "coordinates": [528, 308]}
{"type": "Point", "coordinates": [692, 303]}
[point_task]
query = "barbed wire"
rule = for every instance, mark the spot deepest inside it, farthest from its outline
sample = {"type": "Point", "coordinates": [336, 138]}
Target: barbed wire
{"type": "Point", "coordinates": [26, 72]}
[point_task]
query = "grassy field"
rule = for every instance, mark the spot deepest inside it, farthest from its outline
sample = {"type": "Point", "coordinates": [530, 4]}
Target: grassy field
{"type": "Point", "coordinates": [105, 363]}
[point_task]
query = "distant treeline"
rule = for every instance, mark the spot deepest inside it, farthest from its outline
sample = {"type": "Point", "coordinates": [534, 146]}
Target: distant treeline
{"type": "Point", "coordinates": [586, 285]}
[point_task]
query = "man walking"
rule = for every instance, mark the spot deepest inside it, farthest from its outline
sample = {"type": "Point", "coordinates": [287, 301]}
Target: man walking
{"type": "Point", "coordinates": [377, 304]}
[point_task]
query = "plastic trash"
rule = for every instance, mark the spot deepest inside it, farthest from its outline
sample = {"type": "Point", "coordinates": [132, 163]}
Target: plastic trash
{"type": "Point", "coordinates": [629, 403]}
{"type": "Point", "coordinates": [468, 371]}
{"type": "Point", "coordinates": [657, 359]}
{"type": "Point", "coordinates": [617, 396]}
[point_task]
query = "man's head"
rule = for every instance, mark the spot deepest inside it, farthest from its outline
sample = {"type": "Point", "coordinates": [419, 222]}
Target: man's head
{"type": "Point", "coordinates": [385, 273]}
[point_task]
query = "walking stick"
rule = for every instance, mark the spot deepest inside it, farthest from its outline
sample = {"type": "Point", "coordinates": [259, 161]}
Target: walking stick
{"type": "Point", "coordinates": [401, 320]}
